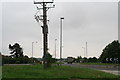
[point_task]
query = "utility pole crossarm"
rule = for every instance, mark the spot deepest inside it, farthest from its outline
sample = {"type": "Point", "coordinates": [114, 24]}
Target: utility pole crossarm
{"type": "Point", "coordinates": [41, 2]}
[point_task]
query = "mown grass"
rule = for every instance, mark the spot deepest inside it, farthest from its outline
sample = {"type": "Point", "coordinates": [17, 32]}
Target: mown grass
{"type": "Point", "coordinates": [37, 71]}
{"type": "Point", "coordinates": [0, 72]}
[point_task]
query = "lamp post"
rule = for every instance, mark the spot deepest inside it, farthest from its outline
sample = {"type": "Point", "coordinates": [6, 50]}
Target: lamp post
{"type": "Point", "coordinates": [32, 49]}
{"type": "Point", "coordinates": [61, 37]}
{"type": "Point", "coordinates": [84, 51]}
{"type": "Point", "coordinates": [55, 48]}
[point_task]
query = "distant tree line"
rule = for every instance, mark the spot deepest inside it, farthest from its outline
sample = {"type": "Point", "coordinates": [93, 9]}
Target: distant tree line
{"type": "Point", "coordinates": [20, 60]}
{"type": "Point", "coordinates": [110, 54]}
{"type": "Point", "coordinates": [17, 56]}
{"type": "Point", "coordinates": [79, 59]}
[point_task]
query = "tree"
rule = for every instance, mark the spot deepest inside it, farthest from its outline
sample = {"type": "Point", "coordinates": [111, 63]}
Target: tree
{"type": "Point", "coordinates": [16, 50]}
{"type": "Point", "coordinates": [85, 59]}
{"type": "Point", "coordinates": [49, 59]}
{"type": "Point", "coordinates": [78, 59]}
{"type": "Point", "coordinates": [111, 51]}
{"type": "Point", "coordinates": [94, 59]}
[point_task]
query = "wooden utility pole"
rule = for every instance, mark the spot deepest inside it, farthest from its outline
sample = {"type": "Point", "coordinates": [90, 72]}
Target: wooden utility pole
{"type": "Point", "coordinates": [44, 29]}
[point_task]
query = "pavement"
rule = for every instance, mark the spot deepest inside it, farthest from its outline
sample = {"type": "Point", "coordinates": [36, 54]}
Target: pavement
{"type": "Point", "coordinates": [114, 69]}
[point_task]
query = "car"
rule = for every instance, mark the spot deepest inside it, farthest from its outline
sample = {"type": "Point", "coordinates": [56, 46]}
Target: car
{"type": "Point", "coordinates": [70, 60]}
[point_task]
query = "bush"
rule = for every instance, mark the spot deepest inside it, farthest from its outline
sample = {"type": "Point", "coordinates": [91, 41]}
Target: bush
{"type": "Point", "coordinates": [20, 60]}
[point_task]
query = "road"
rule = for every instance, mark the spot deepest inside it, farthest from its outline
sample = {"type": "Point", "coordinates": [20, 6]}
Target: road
{"type": "Point", "coordinates": [114, 69]}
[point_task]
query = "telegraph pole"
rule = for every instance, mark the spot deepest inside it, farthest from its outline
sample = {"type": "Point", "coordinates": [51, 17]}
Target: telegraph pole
{"type": "Point", "coordinates": [44, 28]}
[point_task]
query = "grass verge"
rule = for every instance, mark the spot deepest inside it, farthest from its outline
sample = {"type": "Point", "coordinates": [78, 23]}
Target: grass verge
{"type": "Point", "coordinates": [37, 71]}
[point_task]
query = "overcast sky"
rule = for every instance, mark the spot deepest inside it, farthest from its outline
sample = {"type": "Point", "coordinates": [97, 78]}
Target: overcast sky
{"type": "Point", "coordinates": [94, 22]}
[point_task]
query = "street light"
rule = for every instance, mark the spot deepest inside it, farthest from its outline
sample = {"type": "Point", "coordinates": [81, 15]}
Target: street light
{"type": "Point", "coordinates": [32, 49]}
{"type": "Point", "coordinates": [55, 48]}
{"type": "Point", "coordinates": [61, 37]}
{"type": "Point", "coordinates": [84, 51]}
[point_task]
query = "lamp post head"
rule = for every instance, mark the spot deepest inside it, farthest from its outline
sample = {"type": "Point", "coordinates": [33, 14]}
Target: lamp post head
{"type": "Point", "coordinates": [62, 18]}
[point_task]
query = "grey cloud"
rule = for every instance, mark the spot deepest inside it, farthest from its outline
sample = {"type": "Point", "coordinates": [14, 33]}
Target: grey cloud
{"type": "Point", "coordinates": [84, 21]}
